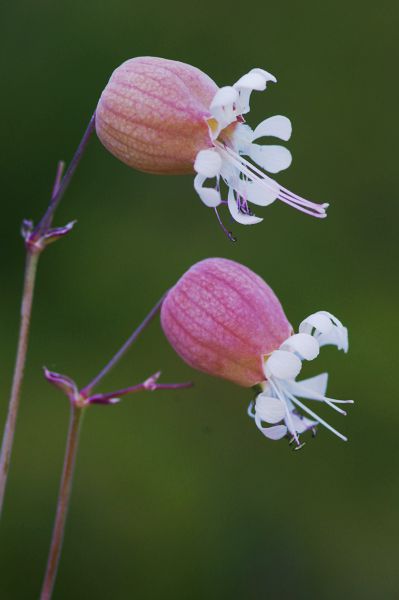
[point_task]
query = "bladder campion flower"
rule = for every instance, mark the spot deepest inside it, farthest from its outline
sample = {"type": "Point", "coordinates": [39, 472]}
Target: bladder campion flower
{"type": "Point", "coordinates": [167, 117]}
{"type": "Point", "coordinates": [223, 319]}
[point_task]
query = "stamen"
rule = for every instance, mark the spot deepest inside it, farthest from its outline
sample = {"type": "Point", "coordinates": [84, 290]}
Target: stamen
{"type": "Point", "coordinates": [287, 411]}
{"type": "Point", "coordinates": [229, 234]}
{"type": "Point", "coordinates": [300, 446]}
{"type": "Point", "coordinates": [242, 204]}
{"type": "Point", "coordinates": [255, 174]}
{"type": "Point", "coordinates": [312, 213]}
{"type": "Point", "coordinates": [320, 208]}
{"type": "Point", "coordinates": [296, 196]}
{"type": "Point", "coordinates": [330, 401]}
{"type": "Point", "coordinates": [312, 414]}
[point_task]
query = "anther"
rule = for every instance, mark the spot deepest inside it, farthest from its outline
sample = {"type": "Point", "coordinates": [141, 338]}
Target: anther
{"type": "Point", "coordinates": [228, 234]}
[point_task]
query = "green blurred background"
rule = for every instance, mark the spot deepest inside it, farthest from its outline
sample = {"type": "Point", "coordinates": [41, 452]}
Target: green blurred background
{"type": "Point", "coordinates": [177, 495]}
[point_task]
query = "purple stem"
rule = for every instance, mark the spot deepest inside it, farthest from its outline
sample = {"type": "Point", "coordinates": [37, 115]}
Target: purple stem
{"type": "Point", "coordinates": [85, 392]}
{"type": "Point", "coordinates": [13, 405]}
{"type": "Point", "coordinates": [58, 177]}
{"type": "Point", "coordinates": [32, 258]}
{"type": "Point", "coordinates": [59, 192]}
{"type": "Point", "coordinates": [77, 411]}
{"type": "Point", "coordinates": [63, 501]}
{"type": "Point", "coordinates": [149, 385]}
{"type": "Point", "coordinates": [34, 247]}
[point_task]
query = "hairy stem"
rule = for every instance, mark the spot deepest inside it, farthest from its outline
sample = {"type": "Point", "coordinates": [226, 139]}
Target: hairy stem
{"type": "Point", "coordinates": [63, 501]}
{"type": "Point", "coordinates": [26, 310]}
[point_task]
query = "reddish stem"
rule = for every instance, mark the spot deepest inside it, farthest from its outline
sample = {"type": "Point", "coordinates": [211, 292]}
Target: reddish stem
{"type": "Point", "coordinates": [63, 501]}
{"type": "Point", "coordinates": [116, 358]}
{"type": "Point", "coordinates": [150, 385]}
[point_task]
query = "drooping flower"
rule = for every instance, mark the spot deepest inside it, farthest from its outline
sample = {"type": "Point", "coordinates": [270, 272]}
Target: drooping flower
{"type": "Point", "coordinates": [223, 319]}
{"type": "Point", "coordinates": [167, 117]}
{"type": "Point", "coordinates": [279, 399]}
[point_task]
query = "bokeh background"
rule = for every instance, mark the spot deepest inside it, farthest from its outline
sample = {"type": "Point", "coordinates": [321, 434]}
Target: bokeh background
{"type": "Point", "coordinates": [177, 495]}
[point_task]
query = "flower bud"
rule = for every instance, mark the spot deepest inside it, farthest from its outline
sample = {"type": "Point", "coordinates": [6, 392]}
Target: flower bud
{"type": "Point", "coordinates": [166, 117]}
{"type": "Point", "coordinates": [153, 114]}
{"type": "Point", "coordinates": [223, 319]}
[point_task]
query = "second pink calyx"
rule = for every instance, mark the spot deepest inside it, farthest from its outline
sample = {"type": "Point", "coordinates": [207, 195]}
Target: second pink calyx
{"type": "Point", "coordinates": [223, 319]}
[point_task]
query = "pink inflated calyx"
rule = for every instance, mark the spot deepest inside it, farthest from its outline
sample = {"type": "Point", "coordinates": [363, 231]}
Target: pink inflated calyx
{"type": "Point", "coordinates": [153, 114]}
{"type": "Point", "coordinates": [223, 319]}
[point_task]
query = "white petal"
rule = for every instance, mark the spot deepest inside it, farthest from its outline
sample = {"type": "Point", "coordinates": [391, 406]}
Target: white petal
{"type": "Point", "coordinates": [243, 101]}
{"type": "Point", "coordinates": [267, 76]}
{"type": "Point", "coordinates": [251, 81]}
{"type": "Point", "coordinates": [224, 107]}
{"type": "Point", "coordinates": [327, 329]}
{"type": "Point", "coordinates": [317, 384]}
{"type": "Point", "coordinates": [208, 163]}
{"type": "Point", "coordinates": [270, 410]}
{"type": "Point", "coordinates": [251, 410]}
{"type": "Point", "coordinates": [256, 79]}
{"type": "Point", "coordinates": [224, 96]}
{"type": "Point", "coordinates": [238, 215]}
{"type": "Point", "coordinates": [259, 193]}
{"type": "Point", "coordinates": [242, 137]}
{"type": "Point", "coordinates": [277, 126]}
{"type": "Point", "coordinates": [302, 423]}
{"type": "Point", "coordinates": [343, 333]}
{"type": "Point", "coordinates": [318, 321]}
{"type": "Point", "coordinates": [270, 158]}
{"type": "Point", "coordinates": [338, 336]}
{"type": "Point", "coordinates": [283, 365]}
{"type": "Point", "coordinates": [274, 433]}
{"type": "Point", "coordinates": [300, 390]}
{"type": "Point", "coordinates": [303, 344]}
{"type": "Point", "coordinates": [209, 196]}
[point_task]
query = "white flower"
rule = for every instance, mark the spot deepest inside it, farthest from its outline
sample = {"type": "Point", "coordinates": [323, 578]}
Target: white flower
{"type": "Point", "coordinates": [278, 403]}
{"type": "Point", "coordinates": [232, 140]}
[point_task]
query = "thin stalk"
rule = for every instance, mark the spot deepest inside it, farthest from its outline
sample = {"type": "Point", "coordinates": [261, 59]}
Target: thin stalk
{"type": "Point", "coordinates": [116, 358]}
{"type": "Point", "coordinates": [63, 500]}
{"type": "Point", "coordinates": [150, 385]}
{"type": "Point", "coordinates": [32, 259]}
{"type": "Point", "coordinates": [79, 401]}
{"type": "Point", "coordinates": [58, 193]}
{"type": "Point", "coordinates": [33, 250]}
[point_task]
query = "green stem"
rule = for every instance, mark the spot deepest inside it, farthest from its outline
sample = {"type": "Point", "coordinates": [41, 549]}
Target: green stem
{"type": "Point", "coordinates": [32, 259]}
{"type": "Point", "coordinates": [63, 501]}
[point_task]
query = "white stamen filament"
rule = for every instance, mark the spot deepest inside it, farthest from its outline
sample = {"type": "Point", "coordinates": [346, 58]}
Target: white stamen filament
{"type": "Point", "coordinates": [316, 417]}
{"type": "Point", "coordinates": [287, 411]}
{"type": "Point", "coordinates": [255, 174]}
{"type": "Point", "coordinates": [330, 401]}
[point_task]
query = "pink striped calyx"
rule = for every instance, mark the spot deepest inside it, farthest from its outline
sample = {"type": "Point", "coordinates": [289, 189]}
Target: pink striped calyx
{"type": "Point", "coordinates": [223, 319]}
{"type": "Point", "coordinates": [153, 114]}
